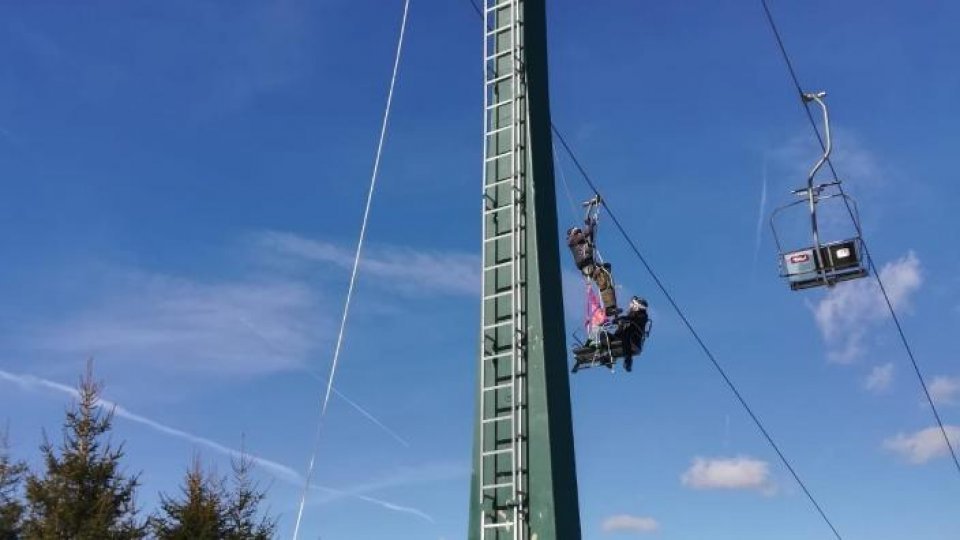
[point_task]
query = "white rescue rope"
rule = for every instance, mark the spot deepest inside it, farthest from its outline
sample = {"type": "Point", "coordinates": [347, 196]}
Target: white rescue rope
{"type": "Point", "coordinates": [353, 274]}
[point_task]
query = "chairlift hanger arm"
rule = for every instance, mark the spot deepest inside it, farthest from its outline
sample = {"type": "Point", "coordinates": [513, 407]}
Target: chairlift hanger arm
{"type": "Point", "coordinates": [593, 209]}
{"type": "Point", "coordinates": [828, 147]}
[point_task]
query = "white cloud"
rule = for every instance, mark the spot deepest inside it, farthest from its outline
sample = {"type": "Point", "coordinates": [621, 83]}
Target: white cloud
{"type": "Point", "coordinates": [728, 473]}
{"type": "Point", "coordinates": [945, 390]}
{"type": "Point", "coordinates": [850, 156]}
{"type": "Point", "coordinates": [624, 523]}
{"type": "Point", "coordinates": [401, 269]}
{"type": "Point", "coordinates": [242, 327]}
{"type": "Point", "coordinates": [924, 445]}
{"type": "Point", "coordinates": [848, 310]}
{"type": "Point", "coordinates": [880, 378]}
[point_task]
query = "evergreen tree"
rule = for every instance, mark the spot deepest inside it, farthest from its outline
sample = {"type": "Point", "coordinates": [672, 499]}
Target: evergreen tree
{"type": "Point", "coordinates": [82, 494]}
{"type": "Point", "coordinates": [199, 515]}
{"type": "Point", "coordinates": [244, 519]}
{"type": "Point", "coordinates": [206, 509]}
{"type": "Point", "coordinates": [11, 507]}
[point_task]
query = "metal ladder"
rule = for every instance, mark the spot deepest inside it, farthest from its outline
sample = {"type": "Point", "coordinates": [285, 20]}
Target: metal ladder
{"type": "Point", "coordinates": [503, 382]}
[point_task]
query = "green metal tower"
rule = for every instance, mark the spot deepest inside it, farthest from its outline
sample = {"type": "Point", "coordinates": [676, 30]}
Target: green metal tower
{"type": "Point", "coordinates": [524, 484]}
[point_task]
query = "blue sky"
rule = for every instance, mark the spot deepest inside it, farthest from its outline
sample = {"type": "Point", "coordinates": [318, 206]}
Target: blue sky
{"type": "Point", "coordinates": [183, 185]}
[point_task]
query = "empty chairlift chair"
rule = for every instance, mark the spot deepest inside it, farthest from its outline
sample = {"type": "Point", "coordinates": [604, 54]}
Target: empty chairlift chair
{"type": "Point", "coordinates": [820, 263]}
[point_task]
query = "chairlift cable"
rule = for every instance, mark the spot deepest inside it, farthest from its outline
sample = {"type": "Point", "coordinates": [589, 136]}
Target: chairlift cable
{"type": "Point", "coordinates": [856, 223]}
{"type": "Point", "coordinates": [356, 265]}
{"type": "Point", "coordinates": [696, 336]}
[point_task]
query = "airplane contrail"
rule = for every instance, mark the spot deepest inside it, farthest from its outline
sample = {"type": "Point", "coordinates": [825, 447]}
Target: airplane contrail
{"type": "Point", "coordinates": [281, 471]}
{"type": "Point", "coordinates": [379, 502]}
{"type": "Point", "coordinates": [32, 381]}
{"type": "Point", "coordinates": [366, 414]}
{"type": "Point", "coordinates": [372, 418]}
{"type": "Point", "coordinates": [761, 212]}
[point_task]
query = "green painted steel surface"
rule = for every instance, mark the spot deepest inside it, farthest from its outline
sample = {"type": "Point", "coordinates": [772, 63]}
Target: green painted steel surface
{"type": "Point", "coordinates": [524, 479]}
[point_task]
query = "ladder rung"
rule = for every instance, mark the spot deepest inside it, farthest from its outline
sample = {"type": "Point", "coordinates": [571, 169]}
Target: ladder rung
{"type": "Point", "coordinates": [497, 419]}
{"type": "Point", "coordinates": [499, 104]}
{"type": "Point", "coordinates": [499, 355]}
{"type": "Point", "coordinates": [499, 485]}
{"type": "Point", "coordinates": [497, 324]}
{"type": "Point", "coordinates": [498, 130]}
{"type": "Point", "coordinates": [501, 386]}
{"type": "Point", "coordinates": [501, 5]}
{"type": "Point", "coordinates": [500, 452]}
{"type": "Point", "coordinates": [498, 236]}
{"type": "Point", "coordinates": [498, 182]}
{"type": "Point", "coordinates": [499, 55]}
{"type": "Point", "coordinates": [499, 266]}
{"type": "Point", "coordinates": [498, 156]}
{"type": "Point", "coordinates": [502, 29]}
{"type": "Point", "coordinates": [489, 211]}
{"type": "Point", "coordinates": [497, 295]}
{"type": "Point", "coordinates": [498, 524]}
{"type": "Point", "coordinates": [500, 79]}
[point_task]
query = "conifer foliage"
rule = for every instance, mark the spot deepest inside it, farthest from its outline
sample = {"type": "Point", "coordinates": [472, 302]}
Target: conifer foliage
{"type": "Point", "coordinates": [209, 510]}
{"type": "Point", "coordinates": [244, 518]}
{"type": "Point", "coordinates": [83, 492]}
{"type": "Point", "coordinates": [11, 507]}
{"type": "Point", "coordinates": [198, 514]}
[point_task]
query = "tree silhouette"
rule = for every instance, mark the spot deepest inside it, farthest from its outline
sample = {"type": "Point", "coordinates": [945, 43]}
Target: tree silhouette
{"type": "Point", "coordinates": [11, 507]}
{"type": "Point", "coordinates": [83, 493]}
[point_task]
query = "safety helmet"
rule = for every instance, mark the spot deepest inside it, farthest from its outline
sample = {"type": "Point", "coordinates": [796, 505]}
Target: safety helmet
{"type": "Point", "coordinates": [573, 230]}
{"type": "Point", "coordinates": [637, 304]}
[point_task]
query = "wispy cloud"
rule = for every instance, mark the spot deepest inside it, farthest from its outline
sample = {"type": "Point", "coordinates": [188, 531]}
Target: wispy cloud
{"type": "Point", "coordinates": [625, 523]}
{"type": "Point", "coordinates": [945, 390]}
{"type": "Point", "coordinates": [401, 269]}
{"type": "Point", "coordinates": [850, 309]}
{"type": "Point", "coordinates": [240, 327]}
{"type": "Point", "coordinates": [738, 473]}
{"type": "Point", "coordinates": [862, 171]}
{"type": "Point", "coordinates": [924, 445]}
{"type": "Point", "coordinates": [879, 378]}
{"type": "Point", "coordinates": [850, 156]}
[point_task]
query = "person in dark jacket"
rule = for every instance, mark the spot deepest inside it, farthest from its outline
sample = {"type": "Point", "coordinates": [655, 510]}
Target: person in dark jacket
{"type": "Point", "coordinates": [631, 329]}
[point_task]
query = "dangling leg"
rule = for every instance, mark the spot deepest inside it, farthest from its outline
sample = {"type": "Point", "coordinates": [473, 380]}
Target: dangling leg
{"type": "Point", "coordinates": [632, 346]}
{"type": "Point", "coordinates": [608, 294]}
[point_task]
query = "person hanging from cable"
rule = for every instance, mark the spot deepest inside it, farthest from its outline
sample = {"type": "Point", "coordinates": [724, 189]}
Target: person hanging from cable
{"type": "Point", "coordinates": [610, 336]}
{"type": "Point", "coordinates": [581, 241]}
{"type": "Point", "coordinates": [583, 247]}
